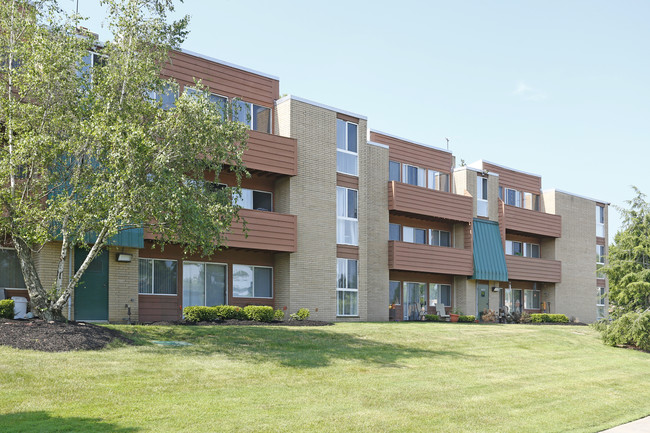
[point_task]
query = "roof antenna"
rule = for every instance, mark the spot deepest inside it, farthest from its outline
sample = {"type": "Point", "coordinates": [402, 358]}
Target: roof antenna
{"type": "Point", "coordinates": [77, 12]}
{"type": "Point", "coordinates": [446, 138]}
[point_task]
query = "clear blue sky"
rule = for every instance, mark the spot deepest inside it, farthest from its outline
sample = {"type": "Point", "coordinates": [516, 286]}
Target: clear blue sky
{"type": "Point", "coordinates": [556, 88]}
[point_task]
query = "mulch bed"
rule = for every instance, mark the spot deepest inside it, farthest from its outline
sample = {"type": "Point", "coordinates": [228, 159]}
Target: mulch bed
{"type": "Point", "coordinates": [245, 323]}
{"type": "Point", "coordinates": [36, 334]}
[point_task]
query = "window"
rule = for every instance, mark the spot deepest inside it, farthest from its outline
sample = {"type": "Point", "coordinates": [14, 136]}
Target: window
{"type": "Point", "coordinates": [347, 291]}
{"type": "Point", "coordinates": [90, 61]}
{"type": "Point", "coordinates": [220, 101]}
{"type": "Point", "coordinates": [600, 303]}
{"type": "Point", "coordinates": [11, 275]}
{"type": "Point", "coordinates": [439, 238]}
{"type": "Point", "coordinates": [531, 250]}
{"type": "Point", "coordinates": [600, 221]}
{"type": "Point", "coordinates": [256, 117]}
{"type": "Point", "coordinates": [481, 196]}
{"type": "Point", "coordinates": [531, 201]}
{"type": "Point", "coordinates": [437, 180]}
{"type": "Point", "coordinates": [600, 260]}
{"type": "Point", "coordinates": [167, 97]}
{"type": "Point", "coordinates": [531, 299]}
{"type": "Point", "coordinates": [513, 197]}
{"type": "Point", "coordinates": [347, 157]}
{"type": "Point", "coordinates": [394, 293]}
{"type": "Point", "coordinates": [393, 171]}
{"type": "Point", "coordinates": [394, 232]}
{"type": "Point", "coordinates": [415, 236]}
{"type": "Point", "coordinates": [439, 294]}
{"type": "Point", "coordinates": [524, 249]}
{"type": "Point", "coordinates": [204, 283]}
{"type": "Point", "coordinates": [512, 300]}
{"type": "Point", "coordinates": [347, 224]}
{"type": "Point", "coordinates": [252, 199]}
{"type": "Point", "coordinates": [157, 277]}
{"type": "Point", "coordinates": [252, 281]}
{"type": "Point", "coordinates": [413, 175]}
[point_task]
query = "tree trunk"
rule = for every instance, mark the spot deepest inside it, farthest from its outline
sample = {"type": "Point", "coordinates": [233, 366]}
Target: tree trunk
{"type": "Point", "coordinates": [37, 295]}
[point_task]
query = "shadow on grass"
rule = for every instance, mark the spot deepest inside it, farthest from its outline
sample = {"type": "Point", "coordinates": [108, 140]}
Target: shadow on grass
{"type": "Point", "coordinates": [299, 348]}
{"type": "Point", "coordinates": [43, 422]}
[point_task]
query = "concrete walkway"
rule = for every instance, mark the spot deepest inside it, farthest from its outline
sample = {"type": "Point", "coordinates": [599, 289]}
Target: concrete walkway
{"type": "Point", "coordinates": [639, 426]}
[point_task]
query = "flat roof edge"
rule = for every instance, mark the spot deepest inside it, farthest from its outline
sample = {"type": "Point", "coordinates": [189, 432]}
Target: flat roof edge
{"type": "Point", "coordinates": [481, 161]}
{"type": "Point", "coordinates": [318, 104]}
{"type": "Point", "coordinates": [576, 195]}
{"type": "Point", "coordinates": [232, 65]}
{"type": "Point", "coordinates": [410, 141]}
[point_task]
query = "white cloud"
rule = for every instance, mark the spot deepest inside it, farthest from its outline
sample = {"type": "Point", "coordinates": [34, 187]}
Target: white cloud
{"type": "Point", "coordinates": [524, 91]}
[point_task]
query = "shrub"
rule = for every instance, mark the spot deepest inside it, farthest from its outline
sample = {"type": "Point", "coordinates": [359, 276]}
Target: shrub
{"type": "Point", "coordinates": [200, 314]}
{"type": "Point", "coordinates": [631, 329]}
{"type": "Point", "coordinates": [7, 308]}
{"type": "Point", "coordinates": [489, 316]}
{"type": "Point", "coordinates": [548, 318]}
{"type": "Point", "coordinates": [431, 318]}
{"type": "Point", "coordinates": [228, 312]}
{"type": "Point", "coordinates": [524, 317]}
{"type": "Point", "coordinates": [278, 315]}
{"type": "Point", "coordinates": [259, 313]}
{"type": "Point", "coordinates": [301, 314]}
{"type": "Point", "coordinates": [468, 318]}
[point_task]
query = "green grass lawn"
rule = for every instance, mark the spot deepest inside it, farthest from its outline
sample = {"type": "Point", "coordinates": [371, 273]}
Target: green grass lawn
{"type": "Point", "coordinates": [396, 377]}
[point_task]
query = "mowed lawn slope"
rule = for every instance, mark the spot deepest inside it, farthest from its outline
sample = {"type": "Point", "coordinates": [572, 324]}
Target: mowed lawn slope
{"type": "Point", "coordinates": [428, 377]}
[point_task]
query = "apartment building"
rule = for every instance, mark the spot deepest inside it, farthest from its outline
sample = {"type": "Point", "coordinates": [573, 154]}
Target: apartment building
{"type": "Point", "coordinates": [354, 224]}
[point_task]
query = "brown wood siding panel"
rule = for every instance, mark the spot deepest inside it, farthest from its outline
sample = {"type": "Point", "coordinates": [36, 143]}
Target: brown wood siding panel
{"type": "Point", "coordinates": [601, 282]}
{"type": "Point", "coordinates": [521, 238]}
{"type": "Point", "coordinates": [347, 252]}
{"type": "Point", "coordinates": [600, 241]}
{"type": "Point", "coordinates": [425, 258]}
{"type": "Point", "coordinates": [347, 118]}
{"type": "Point", "coordinates": [423, 201]}
{"type": "Point", "coordinates": [153, 308]}
{"type": "Point", "coordinates": [533, 222]}
{"type": "Point", "coordinates": [268, 231]}
{"type": "Point", "coordinates": [347, 181]}
{"type": "Point", "coordinates": [415, 154]}
{"type": "Point", "coordinates": [9, 293]}
{"type": "Point", "coordinates": [514, 179]}
{"type": "Point", "coordinates": [221, 79]}
{"type": "Point", "coordinates": [419, 223]}
{"type": "Point", "coordinates": [271, 153]}
{"type": "Point", "coordinates": [257, 182]}
{"type": "Point", "coordinates": [529, 269]}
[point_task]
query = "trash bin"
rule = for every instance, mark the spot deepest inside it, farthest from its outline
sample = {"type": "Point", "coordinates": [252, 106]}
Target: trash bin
{"type": "Point", "coordinates": [20, 307]}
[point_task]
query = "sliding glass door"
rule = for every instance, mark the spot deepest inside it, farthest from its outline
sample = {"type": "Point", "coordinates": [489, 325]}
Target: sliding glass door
{"type": "Point", "coordinates": [204, 284]}
{"type": "Point", "coordinates": [415, 300]}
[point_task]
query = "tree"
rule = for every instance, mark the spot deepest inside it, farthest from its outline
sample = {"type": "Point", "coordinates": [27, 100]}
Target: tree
{"type": "Point", "coordinates": [89, 150]}
{"type": "Point", "coordinates": [628, 272]}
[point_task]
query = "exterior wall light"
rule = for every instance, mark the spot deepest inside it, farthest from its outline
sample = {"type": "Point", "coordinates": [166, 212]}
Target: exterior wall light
{"type": "Point", "coordinates": [124, 257]}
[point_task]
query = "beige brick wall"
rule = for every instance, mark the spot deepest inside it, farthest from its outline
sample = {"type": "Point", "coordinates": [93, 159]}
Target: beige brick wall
{"type": "Point", "coordinates": [575, 296]}
{"type": "Point", "coordinates": [46, 260]}
{"type": "Point", "coordinates": [465, 180]}
{"type": "Point", "coordinates": [373, 231]}
{"type": "Point", "coordinates": [122, 286]}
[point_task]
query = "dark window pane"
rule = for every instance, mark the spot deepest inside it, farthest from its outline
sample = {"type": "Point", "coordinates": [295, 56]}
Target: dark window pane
{"type": "Point", "coordinates": [241, 112]}
{"type": "Point", "coordinates": [420, 236]}
{"type": "Point", "coordinates": [262, 200]}
{"type": "Point", "coordinates": [352, 203]}
{"type": "Point", "coordinates": [144, 276]}
{"type": "Point", "coordinates": [445, 240]}
{"type": "Point", "coordinates": [263, 283]}
{"type": "Point", "coordinates": [393, 232]}
{"type": "Point", "coordinates": [352, 137]}
{"type": "Point", "coordinates": [340, 134]}
{"type": "Point", "coordinates": [445, 294]}
{"type": "Point", "coordinates": [261, 119]}
{"type": "Point", "coordinates": [516, 249]}
{"type": "Point", "coordinates": [164, 277]}
{"type": "Point", "coordinates": [485, 188]}
{"type": "Point", "coordinates": [11, 276]}
{"type": "Point", "coordinates": [352, 274]}
{"type": "Point", "coordinates": [394, 295]}
{"type": "Point", "coordinates": [215, 284]}
{"type": "Point", "coordinates": [393, 171]}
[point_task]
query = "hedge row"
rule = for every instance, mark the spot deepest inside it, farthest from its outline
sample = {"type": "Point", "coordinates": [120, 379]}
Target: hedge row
{"type": "Point", "coordinates": [552, 318]}
{"type": "Point", "coordinates": [7, 308]}
{"type": "Point", "coordinates": [468, 318]}
{"type": "Point", "coordinates": [258, 313]}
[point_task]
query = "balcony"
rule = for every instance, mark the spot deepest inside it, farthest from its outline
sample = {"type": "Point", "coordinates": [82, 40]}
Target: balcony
{"type": "Point", "coordinates": [530, 269]}
{"type": "Point", "coordinates": [533, 222]}
{"type": "Point", "coordinates": [426, 258]}
{"type": "Point", "coordinates": [429, 202]}
{"type": "Point", "coordinates": [271, 153]}
{"type": "Point", "coordinates": [268, 231]}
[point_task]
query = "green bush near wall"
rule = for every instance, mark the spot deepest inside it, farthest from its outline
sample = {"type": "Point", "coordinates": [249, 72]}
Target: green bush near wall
{"type": "Point", "coordinates": [468, 318]}
{"type": "Point", "coordinates": [548, 318]}
{"type": "Point", "coordinates": [259, 313]}
{"type": "Point", "coordinates": [7, 308]}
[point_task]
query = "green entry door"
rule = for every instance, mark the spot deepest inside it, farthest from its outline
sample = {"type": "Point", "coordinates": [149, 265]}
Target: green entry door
{"type": "Point", "coordinates": [91, 294]}
{"type": "Point", "coordinates": [482, 298]}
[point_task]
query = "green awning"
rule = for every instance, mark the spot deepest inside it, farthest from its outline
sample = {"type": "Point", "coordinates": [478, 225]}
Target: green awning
{"type": "Point", "coordinates": [133, 238]}
{"type": "Point", "coordinates": [489, 258]}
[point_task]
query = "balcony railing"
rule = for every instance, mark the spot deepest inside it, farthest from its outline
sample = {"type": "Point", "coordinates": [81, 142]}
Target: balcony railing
{"type": "Point", "coordinates": [533, 222]}
{"type": "Point", "coordinates": [531, 269]}
{"type": "Point", "coordinates": [269, 231]}
{"type": "Point", "coordinates": [429, 202]}
{"type": "Point", "coordinates": [271, 153]}
{"type": "Point", "coordinates": [406, 256]}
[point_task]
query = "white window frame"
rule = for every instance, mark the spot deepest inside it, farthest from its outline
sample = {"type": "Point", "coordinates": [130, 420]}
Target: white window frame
{"type": "Point", "coordinates": [532, 298]}
{"type": "Point", "coordinates": [346, 218]}
{"type": "Point", "coordinates": [191, 89]}
{"type": "Point", "coordinates": [412, 231]}
{"type": "Point", "coordinates": [434, 301]}
{"type": "Point", "coordinates": [250, 112]}
{"type": "Point", "coordinates": [432, 236]}
{"type": "Point", "coordinates": [517, 197]}
{"type": "Point", "coordinates": [399, 170]}
{"type": "Point", "coordinates": [419, 170]}
{"type": "Point", "coordinates": [399, 290]}
{"type": "Point", "coordinates": [237, 198]}
{"type": "Point", "coordinates": [482, 208]}
{"type": "Point", "coordinates": [254, 267]}
{"type": "Point", "coordinates": [153, 277]}
{"type": "Point", "coordinates": [347, 289]}
{"type": "Point", "coordinates": [194, 262]}
{"type": "Point", "coordinates": [600, 216]}
{"type": "Point", "coordinates": [600, 302]}
{"type": "Point", "coordinates": [347, 144]}
{"type": "Point", "coordinates": [599, 263]}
